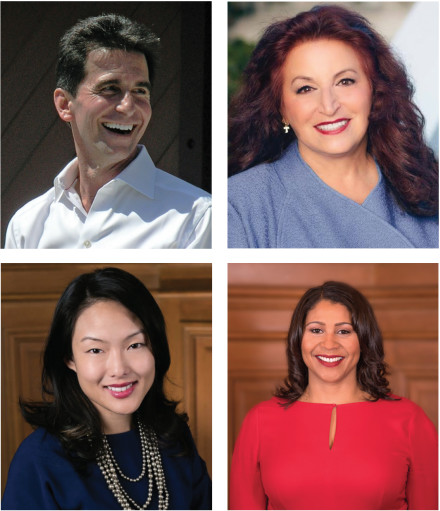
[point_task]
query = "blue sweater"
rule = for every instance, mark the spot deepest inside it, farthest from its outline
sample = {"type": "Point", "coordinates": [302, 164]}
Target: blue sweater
{"type": "Point", "coordinates": [42, 477]}
{"type": "Point", "coordinates": [284, 204]}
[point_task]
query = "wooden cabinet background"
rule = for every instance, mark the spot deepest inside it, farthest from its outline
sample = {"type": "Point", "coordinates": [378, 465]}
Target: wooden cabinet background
{"type": "Point", "coordinates": [29, 296]}
{"type": "Point", "coordinates": [261, 301]}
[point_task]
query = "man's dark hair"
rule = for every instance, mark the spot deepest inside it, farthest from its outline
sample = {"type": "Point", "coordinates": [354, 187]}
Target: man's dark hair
{"type": "Point", "coordinates": [107, 31]}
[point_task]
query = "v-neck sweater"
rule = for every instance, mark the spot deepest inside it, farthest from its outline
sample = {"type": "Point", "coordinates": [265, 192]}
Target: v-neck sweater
{"type": "Point", "coordinates": [384, 456]}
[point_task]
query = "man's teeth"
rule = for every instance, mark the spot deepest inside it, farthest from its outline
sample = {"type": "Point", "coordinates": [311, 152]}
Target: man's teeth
{"type": "Point", "coordinates": [119, 389]}
{"type": "Point", "coordinates": [333, 126]}
{"type": "Point", "coordinates": [332, 359]}
{"type": "Point", "coordinates": [122, 127]}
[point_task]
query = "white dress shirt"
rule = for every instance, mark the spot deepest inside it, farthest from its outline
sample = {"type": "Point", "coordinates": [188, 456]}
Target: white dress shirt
{"type": "Point", "coordinates": [142, 207]}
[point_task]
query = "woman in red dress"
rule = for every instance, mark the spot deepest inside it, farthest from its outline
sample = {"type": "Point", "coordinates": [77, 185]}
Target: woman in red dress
{"type": "Point", "coordinates": [334, 437]}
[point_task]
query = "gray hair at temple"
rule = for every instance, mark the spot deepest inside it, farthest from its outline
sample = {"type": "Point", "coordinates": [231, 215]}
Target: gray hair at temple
{"type": "Point", "coordinates": [107, 31]}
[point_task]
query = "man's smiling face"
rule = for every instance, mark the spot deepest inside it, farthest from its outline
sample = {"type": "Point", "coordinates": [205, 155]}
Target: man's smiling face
{"type": "Point", "coordinates": [111, 109]}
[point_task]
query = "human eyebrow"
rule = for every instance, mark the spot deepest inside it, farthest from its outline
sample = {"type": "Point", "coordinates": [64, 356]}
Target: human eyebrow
{"type": "Point", "coordinates": [304, 78]}
{"type": "Point", "coordinates": [105, 83]}
{"type": "Point", "coordinates": [310, 79]}
{"type": "Point", "coordinates": [147, 85]}
{"type": "Point", "coordinates": [135, 334]}
{"type": "Point", "coordinates": [343, 323]}
{"type": "Point", "coordinates": [315, 322]}
{"type": "Point", "coordinates": [346, 71]}
{"type": "Point", "coordinates": [90, 338]}
{"type": "Point", "coordinates": [97, 339]}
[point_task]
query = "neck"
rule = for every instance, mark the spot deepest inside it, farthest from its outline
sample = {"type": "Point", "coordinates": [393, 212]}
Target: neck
{"type": "Point", "coordinates": [336, 393]}
{"type": "Point", "coordinates": [117, 425]}
{"type": "Point", "coordinates": [353, 175]}
{"type": "Point", "coordinates": [94, 174]}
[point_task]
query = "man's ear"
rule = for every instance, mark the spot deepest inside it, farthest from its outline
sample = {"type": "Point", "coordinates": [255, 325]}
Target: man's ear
{"type": "Point", "coordinates": [62, 100]}
{"type": "Point", "coordinates": [71, 364]}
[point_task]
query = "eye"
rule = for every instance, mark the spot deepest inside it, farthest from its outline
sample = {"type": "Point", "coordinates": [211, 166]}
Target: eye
{"type": "Point", "coordinates": [110, 88]}
{"type": "Point", "coordinates": [94, 351]}
{"type": "Point", "coordinates": [344, 332]}
{"type": "Point", "coordinates": [346, 81]}
{"type": "Point", "coordinates": [304, 89]}
{"type": "Point", "coordinates": [316, 330]}
{"type": "Point", "coordinates": [136, 345]}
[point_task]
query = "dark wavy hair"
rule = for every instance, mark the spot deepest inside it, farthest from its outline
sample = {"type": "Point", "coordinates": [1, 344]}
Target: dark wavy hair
{"type": "Point", "coordinates": [107, 31]}
{"type": "Point", "coordinates": [371, 369]}
{"type": "Point", "coordinates": [65, 410]}
{"type": "Point", "coordinates": [395, 132]}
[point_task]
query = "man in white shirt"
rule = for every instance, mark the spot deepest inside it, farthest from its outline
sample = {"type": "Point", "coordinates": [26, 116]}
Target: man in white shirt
{"type": "Point", "coordinates": [111, 195]}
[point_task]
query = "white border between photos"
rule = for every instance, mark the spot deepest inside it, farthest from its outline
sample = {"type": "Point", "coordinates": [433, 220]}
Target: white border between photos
{"type": "Point", "coordinates": [220, 256]}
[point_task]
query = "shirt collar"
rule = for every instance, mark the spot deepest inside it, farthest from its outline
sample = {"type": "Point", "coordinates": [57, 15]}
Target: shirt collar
{"type": "Point", "coordinates": [140, 174]}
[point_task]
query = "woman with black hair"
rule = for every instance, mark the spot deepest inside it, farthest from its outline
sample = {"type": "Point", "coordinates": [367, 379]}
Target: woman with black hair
{"type": "Point", "coordinates": [334, 437]}
{"type": "Point", "coordinates": [107, 437]}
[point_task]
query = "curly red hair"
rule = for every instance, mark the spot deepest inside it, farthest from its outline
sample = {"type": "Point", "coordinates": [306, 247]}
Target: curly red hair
{"type": "Point", "coordinates": [395, 132]}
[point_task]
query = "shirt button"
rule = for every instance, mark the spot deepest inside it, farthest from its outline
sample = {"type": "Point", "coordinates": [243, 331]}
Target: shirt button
{"type": "Point", "coordinates": [87, 244]}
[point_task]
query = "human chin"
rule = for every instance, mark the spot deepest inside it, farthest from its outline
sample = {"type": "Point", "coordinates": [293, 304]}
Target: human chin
{"type": "Point", "coordinates": [117, 146]}
{"type": "Point", "coordinates": [333, 146]}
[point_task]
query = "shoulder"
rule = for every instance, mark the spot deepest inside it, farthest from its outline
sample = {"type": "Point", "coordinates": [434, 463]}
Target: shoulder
{"type": "Point", "coordinates": [254, 181]}
{"type": "Point", "coordinates": [404, 411]}
{"type": "Point", "coordinates": [401, 404]}
{"type": "Point", "coordinates": [143, 176]}
{"type": "Point", "coordinates": [267, 183]}
{"type": "Point", "coordinates": [271, 408]}
{"type": "Point", "coordinates": [34, 206]}
{"type": "Point", "coordinates": [169, 183]}
{"type": "Point", "coordinates": [39, 445]}
{"type": "Point", "coordinates": [40, 453]}
{"type": "Point", "coordinates": [273, 173]}
{"type": "Point", "coordinates": [40, 475]}
{"type": "Point", "coordinates": [29, 218]}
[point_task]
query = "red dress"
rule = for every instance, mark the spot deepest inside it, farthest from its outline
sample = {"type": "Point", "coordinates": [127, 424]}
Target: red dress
{"type": "Point", "coordinates": [384, 456]}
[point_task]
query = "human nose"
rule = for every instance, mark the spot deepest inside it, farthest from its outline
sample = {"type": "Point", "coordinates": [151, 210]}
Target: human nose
{"type": "Point", "coordinates": [126, 105]}
{"type": "Point", "coordinates": [329, 341]}
{"type": "Point", "coordinates": [329, 101]}
{"type": "Point", "coordinates": [117, 364]}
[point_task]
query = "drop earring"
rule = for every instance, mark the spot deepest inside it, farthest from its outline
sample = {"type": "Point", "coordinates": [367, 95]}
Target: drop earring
{"type": "Point", "coordinates": [286, 127]}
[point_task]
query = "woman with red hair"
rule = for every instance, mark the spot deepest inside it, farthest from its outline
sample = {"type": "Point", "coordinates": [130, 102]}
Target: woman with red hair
{"type": "Point", "coordinates": [326, 143]}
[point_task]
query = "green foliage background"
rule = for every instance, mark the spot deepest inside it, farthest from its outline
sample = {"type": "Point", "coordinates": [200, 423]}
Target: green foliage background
{"type": "Point", "coordinates": [239, 50]}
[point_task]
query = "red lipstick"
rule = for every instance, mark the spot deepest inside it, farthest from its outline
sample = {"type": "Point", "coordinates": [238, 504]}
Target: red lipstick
{"type": "Point", "coordinates": [331, 361]}
{"type": "Point", "coordinates": [332, 127]}
{"type": "Point", "coordinates": [121, 394]}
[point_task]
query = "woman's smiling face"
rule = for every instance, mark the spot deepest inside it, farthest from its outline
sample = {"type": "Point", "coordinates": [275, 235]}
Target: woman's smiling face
{"type": "Point", "coordinates": [330, 346]}
{"type": "Point", "coordinates": [326, 98]}
{"type": "Point", "coordinates": [113, 362]}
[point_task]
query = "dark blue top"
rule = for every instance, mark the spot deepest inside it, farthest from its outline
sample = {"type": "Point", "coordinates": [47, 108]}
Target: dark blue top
{"type": "Point", "coordinates": [285, 204]}
{"type": "Point", "coordinates": [42, 477]}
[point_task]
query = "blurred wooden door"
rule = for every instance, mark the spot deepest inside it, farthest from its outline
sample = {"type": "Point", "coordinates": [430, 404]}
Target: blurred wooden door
{"type": "Point", "coordinates": [29, 296]}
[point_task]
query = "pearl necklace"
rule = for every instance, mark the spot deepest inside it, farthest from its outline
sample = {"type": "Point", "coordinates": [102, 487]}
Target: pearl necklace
{"type": "Point", "coordinates": [151, 463]}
